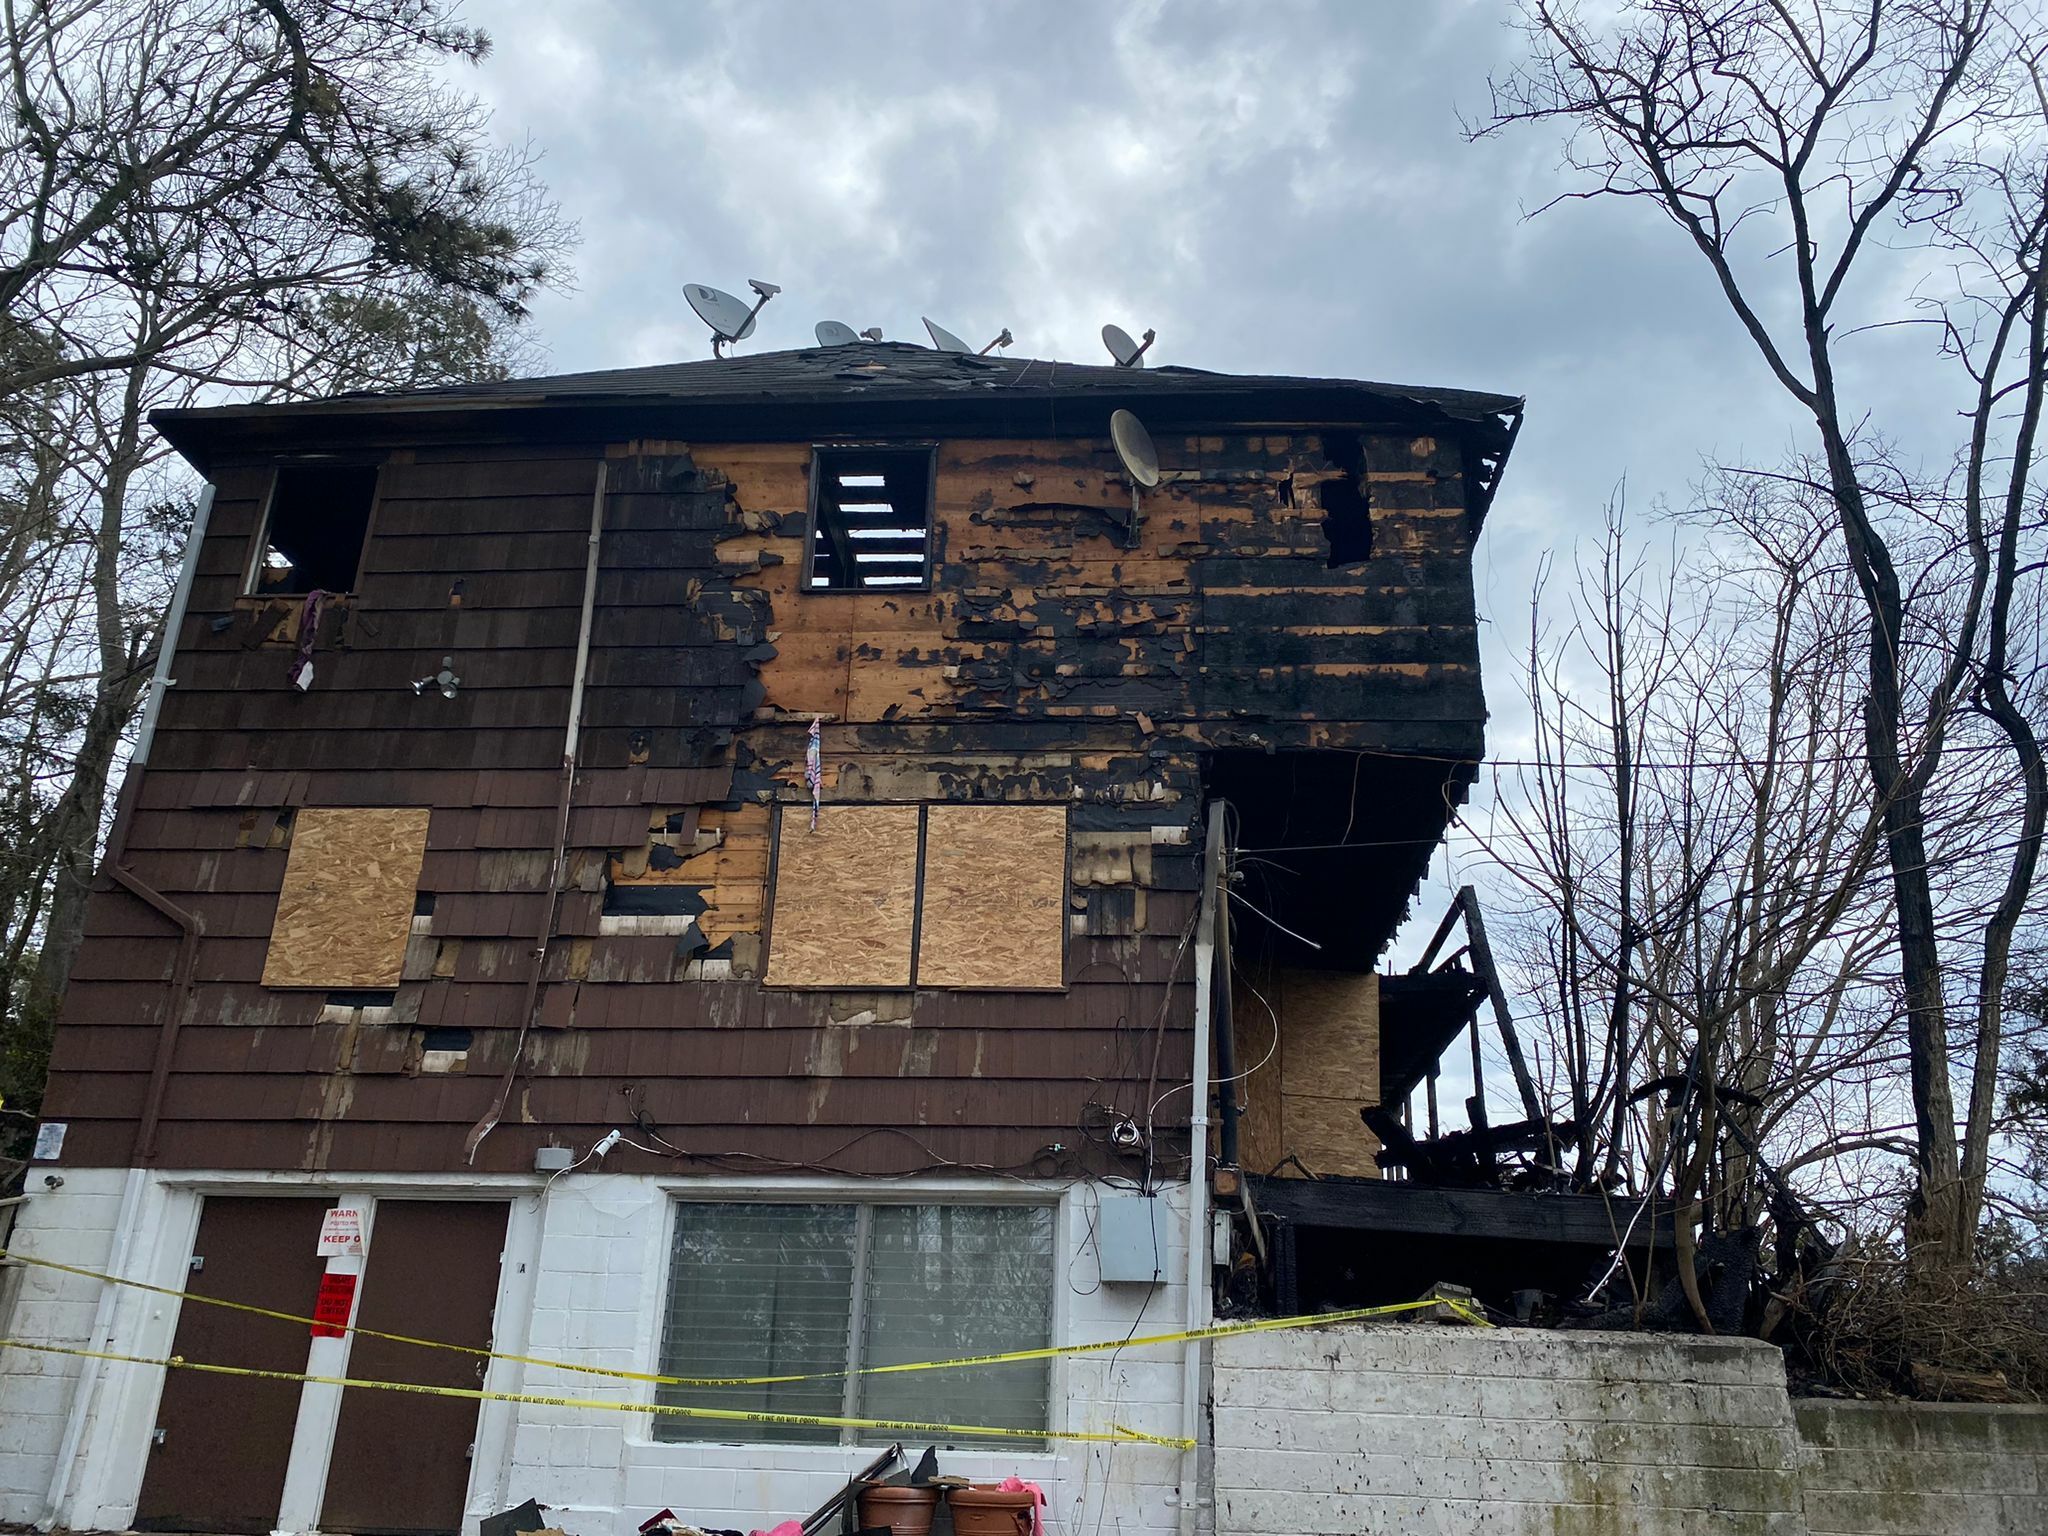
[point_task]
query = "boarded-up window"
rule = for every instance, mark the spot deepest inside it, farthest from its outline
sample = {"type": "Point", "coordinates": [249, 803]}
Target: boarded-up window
{"type": "Point", "coordinates": [845, 898]}
{"type": "Point", "coordinates": [995, 897]}
{"type": "Point", "coordinates": [346, 907]}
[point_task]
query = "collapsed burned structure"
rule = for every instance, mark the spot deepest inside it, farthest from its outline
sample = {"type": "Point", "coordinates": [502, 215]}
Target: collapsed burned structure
{"type": "Point", "coordinates": [737, 869]}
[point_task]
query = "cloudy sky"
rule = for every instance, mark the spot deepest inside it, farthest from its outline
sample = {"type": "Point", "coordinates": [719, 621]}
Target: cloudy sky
{"type": "Point", "coordinates": [1282, 187]}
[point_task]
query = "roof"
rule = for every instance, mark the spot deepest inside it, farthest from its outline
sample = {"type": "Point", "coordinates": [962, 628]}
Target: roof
{"type": "Point", "coordinates": [858, 387]}
{"type": "Point", "coordinates": [900, 370]}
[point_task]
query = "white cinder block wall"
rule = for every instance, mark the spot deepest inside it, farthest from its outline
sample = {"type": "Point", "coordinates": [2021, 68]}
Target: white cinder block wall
{"type": "Point", "coordinates": [47, 1306]}
{"type": "Point", "coordinates": [603, 1268]}
{"type": "Point", "coordinates": [584, 1280]}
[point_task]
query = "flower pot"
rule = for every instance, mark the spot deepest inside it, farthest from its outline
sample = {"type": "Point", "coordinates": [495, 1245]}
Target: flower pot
{"type": "Point", "coordinates": [990, 1512]}
{"type": "Point", "coordinates": [906, 1511]}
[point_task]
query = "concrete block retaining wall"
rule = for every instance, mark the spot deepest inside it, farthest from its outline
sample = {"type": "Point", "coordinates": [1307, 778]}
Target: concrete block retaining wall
{"type": "Point", "coordinates": [1517, 1432]}
{"type": "Point", "coordinates": [1925, 1469]}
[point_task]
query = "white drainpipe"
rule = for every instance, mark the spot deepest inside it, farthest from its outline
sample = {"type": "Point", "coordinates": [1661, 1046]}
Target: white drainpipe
{"type": "Point", "coordinates": [1199, 1314]}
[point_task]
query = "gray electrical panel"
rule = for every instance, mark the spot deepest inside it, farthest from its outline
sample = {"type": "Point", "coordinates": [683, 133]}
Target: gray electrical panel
{"type": "Point", "coordinates": [1130, 1239]}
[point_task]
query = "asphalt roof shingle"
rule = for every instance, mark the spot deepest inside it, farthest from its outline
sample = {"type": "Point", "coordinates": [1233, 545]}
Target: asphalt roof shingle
{"type": "Point", "coordinates": [900, 370]}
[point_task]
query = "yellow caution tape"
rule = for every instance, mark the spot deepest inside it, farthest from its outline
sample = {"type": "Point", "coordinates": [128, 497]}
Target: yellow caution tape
{"type": "Point", "coordinates": [1460, 1309]}
{"type": "Point", "coordinates": [1117, 1434]}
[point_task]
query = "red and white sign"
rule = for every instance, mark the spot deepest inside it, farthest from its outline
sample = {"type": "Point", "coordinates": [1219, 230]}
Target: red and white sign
{"type": "Point", "coordinates": [341, 1233]}
{"type": "Point", "coordinates": [331, 1306]}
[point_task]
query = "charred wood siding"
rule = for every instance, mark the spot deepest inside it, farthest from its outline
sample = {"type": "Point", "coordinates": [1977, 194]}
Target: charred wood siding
{"type": "Point", "coordinates": [1049, 663]}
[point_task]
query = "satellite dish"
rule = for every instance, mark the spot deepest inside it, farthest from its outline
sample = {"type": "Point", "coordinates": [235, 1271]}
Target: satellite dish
{"type": "Point", "coordinates": [1140, 459]}
{"type": "Point", "coordinates": [1003, 340]}
{"type": "Point", "coordinates": [729, 318]}
{"type": "Point", "coordinates": [1128, 353]}
{"type": "Point", "coordinates": [831, 333]}
{"type": "Point", "coordinates": [944, 339]}
{"type": "Point", "coordinates": [1134, 447]}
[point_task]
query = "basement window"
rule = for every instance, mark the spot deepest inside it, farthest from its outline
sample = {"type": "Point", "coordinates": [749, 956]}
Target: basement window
{"type": "Point", "coordinates": [871, 520]}
{"type": "Point", "coordinates": [313, 536]}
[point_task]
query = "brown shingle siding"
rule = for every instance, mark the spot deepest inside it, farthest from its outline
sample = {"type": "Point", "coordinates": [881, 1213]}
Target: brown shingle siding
{"type": "Point", "coordinates": [1048, 665]}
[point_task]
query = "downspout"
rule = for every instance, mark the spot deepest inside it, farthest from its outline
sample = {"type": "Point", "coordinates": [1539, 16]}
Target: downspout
{"type": "Point", "coordinates": [571, 738]}
{"type": "Point", "coordinates": [1199, 1310]}
{"type": "Point", "coordinates": [92, 1372]}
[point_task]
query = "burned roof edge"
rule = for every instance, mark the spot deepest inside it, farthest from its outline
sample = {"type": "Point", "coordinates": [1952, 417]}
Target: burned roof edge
{"type": "Point", "coordinates": [889, 388]}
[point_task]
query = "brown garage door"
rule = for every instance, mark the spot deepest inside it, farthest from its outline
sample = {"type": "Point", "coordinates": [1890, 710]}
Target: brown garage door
{"type": "Point", "coordinates": [401, 1460]}
{"type": "Point", "coordinates": [222, 1442]}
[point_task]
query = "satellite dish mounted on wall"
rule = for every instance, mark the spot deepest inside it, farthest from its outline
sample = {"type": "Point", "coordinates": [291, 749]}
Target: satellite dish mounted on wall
{"type": "Point", "coordinates": [729, 318]}
{"type": "Point", "coordinates": [944, 339]}
{"type": "Point", "coordinates": [1128, 353]}
{"type": "Point", "coordinates": [831, 333]}
{"type": "Point", "coordinates": [1140, 459]}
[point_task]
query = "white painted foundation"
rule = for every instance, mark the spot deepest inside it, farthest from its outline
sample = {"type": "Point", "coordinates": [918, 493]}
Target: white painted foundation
{"type": "Point", "coordinates": [583, 1280]}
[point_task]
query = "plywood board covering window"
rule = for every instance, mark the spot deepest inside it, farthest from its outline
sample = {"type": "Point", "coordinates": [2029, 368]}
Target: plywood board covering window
{"type": "Point", "coordinates": [995, 897]}
{"type": "Point", "coordinates": [845, 898]}
{"type": "Point", "coordinates": [346, 907]}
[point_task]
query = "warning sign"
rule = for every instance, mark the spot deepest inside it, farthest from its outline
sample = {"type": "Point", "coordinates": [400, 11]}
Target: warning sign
{"type": "Point", "coordinates": [331, 1306]}
{"type": "Point", "coordinates": [341, 1233]}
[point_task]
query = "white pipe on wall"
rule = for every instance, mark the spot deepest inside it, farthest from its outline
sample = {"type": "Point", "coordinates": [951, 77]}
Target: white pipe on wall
{"type": "Point", "coordinates": [174, 621]}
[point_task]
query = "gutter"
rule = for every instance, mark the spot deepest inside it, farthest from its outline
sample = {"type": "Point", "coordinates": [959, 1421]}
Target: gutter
{"type": "Point", "coordinates": [93, 1372]}
{"type": "Point", "coordinates": [1199, 1309]}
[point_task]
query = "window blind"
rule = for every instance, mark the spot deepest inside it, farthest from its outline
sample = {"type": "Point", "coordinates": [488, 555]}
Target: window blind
{"type": "Point", "coordinates": [758, 1290]}
{"type": "Point", "coordinates": [946, 1280]}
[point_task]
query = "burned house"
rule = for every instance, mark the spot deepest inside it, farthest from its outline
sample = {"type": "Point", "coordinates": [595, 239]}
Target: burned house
{"type": "Point", "coordinates": [756, 870]}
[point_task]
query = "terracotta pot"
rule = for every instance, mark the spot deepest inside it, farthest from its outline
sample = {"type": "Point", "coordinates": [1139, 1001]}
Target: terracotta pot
{"type": "Point", "coordinates": [990, 1512]}
{"type": "Point", "coordinates": [906, 1511]}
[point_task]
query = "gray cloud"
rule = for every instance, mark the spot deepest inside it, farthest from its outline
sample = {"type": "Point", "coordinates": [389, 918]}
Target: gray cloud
{"type": "Point", "coordinates": [1281, 188]}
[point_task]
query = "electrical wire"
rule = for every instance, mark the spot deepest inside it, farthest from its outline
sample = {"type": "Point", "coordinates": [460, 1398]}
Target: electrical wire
{"type": "Point", "coordinates": [1956, 749]}
{"type": "Point", "coordinates": [1311, 943]}
{"type": "Point", "coordinates": [1235, 1077]}
{"type": "Point", "coordinates": [669, 1149]}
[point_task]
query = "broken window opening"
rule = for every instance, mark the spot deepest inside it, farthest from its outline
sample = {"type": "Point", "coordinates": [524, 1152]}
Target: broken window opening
{"type": "Point", "coordinates": [444, 1050]}
{"type": "Point", "coordinates": [1346, 504]}
{"type": "Point", "coordinates": [361, 997]}
{"type": "Point", "coordinates": [871, 519]}
{"type": "Point", "coordinates": [314, 533]}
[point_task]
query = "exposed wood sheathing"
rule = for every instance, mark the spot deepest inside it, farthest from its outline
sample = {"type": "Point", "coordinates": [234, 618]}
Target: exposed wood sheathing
{"type": "Point", "coordinates": [1049, 666]}
{"type": "Point", "coordinates": [344, 913]}
{"type": "Point", "coordinates": [1302, 1100]}
{"type": "Point", "coordinates": [845, 898]}
{"type": "Point", "coordinates": [995, 897]}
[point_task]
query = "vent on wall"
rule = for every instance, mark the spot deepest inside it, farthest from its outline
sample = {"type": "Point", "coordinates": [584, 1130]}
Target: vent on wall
{"type": "Point", "coordinates": [871, 525]}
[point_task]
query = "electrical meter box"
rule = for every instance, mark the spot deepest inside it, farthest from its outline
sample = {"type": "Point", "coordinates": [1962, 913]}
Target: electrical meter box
{"type": "Point", "coordinates": [1130, 1239]}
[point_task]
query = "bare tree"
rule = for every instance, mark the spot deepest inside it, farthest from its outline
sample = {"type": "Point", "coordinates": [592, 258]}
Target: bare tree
{"type": "Point", "coordinates": [1694, 860]}
{"type": "Point", "coordinates": [256, 115]}
{"type": "Point", "coordinates": [1797, 146]}
{"type": "Point", "coordinates": [205, 201]}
